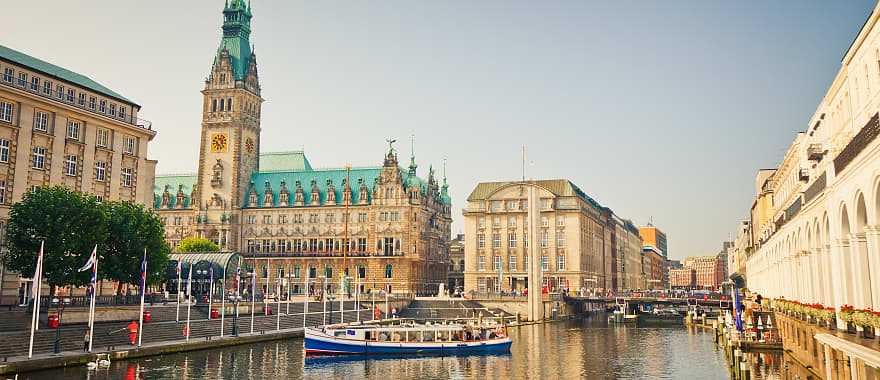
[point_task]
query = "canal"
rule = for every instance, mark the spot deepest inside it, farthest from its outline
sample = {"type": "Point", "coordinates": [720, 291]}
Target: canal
{"type": "Point", "coordinates": [587, 348]}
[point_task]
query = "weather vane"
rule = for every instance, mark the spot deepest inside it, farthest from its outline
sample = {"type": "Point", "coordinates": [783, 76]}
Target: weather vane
{"type": "Point", "coordinates": [391, 144]}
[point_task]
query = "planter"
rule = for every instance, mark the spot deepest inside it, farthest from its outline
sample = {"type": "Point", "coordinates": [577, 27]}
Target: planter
{"type": "Point", "coordinates": [850, 328]}
{"type": "Point", "coordinates": [868, 332]}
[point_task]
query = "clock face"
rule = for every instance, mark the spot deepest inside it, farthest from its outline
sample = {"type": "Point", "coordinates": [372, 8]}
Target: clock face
{"type": "Point", "coordinates": [219, 142]}
{"type": "Point", "coordinates": [249, 145]}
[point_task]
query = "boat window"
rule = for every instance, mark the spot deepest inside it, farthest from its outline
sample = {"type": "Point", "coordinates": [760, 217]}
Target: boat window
{"type": "Point", "coordinates": [339, 334]}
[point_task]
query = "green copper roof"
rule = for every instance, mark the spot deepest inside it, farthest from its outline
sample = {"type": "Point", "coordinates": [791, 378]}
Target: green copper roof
{"type": "Point", "coordinates": [236, 37]}
{"type": "Point", "coordinates": [173, 183]}
{"type": "Point", "coordinates": [61, 73]}
{"type": "Point", "coordinates": [336, 176]}
{"type": "Point", "coordinates": [284, 161]}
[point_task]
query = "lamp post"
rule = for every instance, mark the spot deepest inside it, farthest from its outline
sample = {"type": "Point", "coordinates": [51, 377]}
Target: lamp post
{"type": "Point", "coordinates": [235, 298]}
{"type": "Point", "coordinates": [59, 304]}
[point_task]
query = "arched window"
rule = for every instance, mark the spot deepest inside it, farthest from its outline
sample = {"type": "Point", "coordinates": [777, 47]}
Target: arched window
{"type": "Point", "coordinates": [229, 104]}
{"type": "Point", "coordinates": [221, 104]}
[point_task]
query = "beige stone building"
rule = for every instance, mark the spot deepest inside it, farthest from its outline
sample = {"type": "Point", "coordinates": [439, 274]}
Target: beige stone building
{"type": "Point", "coordinates": [58, 127]}
{"type": "Point", "coordinates": [577, 238]}
{"type": "Point", "coordinates": [455, 272]}
{"type": "Point", "coordinates": [383, 225]}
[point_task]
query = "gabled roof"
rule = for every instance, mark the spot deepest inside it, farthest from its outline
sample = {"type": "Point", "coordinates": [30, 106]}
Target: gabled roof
{"type": "Point", "coordinates": [558, 187]}
{"type": "Point", "coordinates": [173, 182]}
{"type": "Point", "coordinates": [58, 72]}
{"type": "Point", "coordinates": [284, 161]}
{"type": "Point", "coordinates": [367, 175]}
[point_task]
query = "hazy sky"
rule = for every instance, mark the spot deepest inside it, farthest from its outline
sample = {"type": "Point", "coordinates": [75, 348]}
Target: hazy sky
{"type": "Point", "coordinates": [659, 109]}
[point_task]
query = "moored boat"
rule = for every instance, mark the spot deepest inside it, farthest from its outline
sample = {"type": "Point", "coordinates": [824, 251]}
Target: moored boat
{"type": "Point", "coordinates": [410, 339]}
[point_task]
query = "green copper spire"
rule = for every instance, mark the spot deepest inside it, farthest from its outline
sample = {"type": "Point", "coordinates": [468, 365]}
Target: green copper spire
{"type": "Point", "coordinates": [236, 36]}
{"type": "Point", "coordinates": [445, 188]}
{"type": "Point", "coordinates": [412, 155]}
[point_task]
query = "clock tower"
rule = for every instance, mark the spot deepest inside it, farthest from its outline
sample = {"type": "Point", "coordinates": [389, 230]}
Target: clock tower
{"type": "Point", "coordinates": [230, 137]}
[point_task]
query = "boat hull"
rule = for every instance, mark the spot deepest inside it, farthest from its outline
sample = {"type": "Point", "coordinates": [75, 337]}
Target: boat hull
{"type": "Point", "coordinates": [326, 345]}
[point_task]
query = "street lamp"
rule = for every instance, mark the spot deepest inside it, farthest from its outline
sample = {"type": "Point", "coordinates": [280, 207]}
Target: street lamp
{"type": "Point", "coordinates": [59, 304]}
{"type": "Point", "coordinates": [235, 298]}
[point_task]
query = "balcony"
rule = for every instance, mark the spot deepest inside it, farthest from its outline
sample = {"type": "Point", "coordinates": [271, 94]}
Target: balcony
{"type": "Point", "coordinates": [128, 118]}
{"type": "Point", "coordinates": [815, 152]}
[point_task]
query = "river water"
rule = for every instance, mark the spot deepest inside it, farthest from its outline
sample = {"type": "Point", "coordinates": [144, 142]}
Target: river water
{"type": "Point", "coordinates": [587, 348]}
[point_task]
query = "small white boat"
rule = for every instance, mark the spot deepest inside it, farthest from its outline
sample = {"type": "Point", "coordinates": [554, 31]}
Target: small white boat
{"type": "Point", "coordinates": [411, 339]}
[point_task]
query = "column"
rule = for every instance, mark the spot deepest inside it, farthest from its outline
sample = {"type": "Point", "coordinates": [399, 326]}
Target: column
{"type": "Point", "coordinates": [872, 236]}
{"type": "Point", "coordinates": [827, 274]}
{"type": "Point", "coordinates": [861, 289]}
{"type": "Point", "coordinates": [838, 277]}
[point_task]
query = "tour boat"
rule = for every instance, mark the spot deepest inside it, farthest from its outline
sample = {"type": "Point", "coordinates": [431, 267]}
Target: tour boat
{"type": "Point", "coordinates": [406, 339]}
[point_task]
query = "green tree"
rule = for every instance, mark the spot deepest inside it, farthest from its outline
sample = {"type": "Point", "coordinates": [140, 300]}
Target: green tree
{"type": "Point", "coordinates": [197, 244]}
{"type": "Point", "coordinates": [131, 229]}
{"type": "Point", "coordinates": [70, 223]}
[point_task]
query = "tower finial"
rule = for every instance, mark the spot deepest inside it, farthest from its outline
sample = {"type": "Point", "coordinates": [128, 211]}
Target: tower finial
{"type": "Point", "coordinates": [412, 155]}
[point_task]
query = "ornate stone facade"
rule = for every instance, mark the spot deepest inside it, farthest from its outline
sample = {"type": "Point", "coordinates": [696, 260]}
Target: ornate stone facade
{"type": "Point", "coordinates": [384, 226]}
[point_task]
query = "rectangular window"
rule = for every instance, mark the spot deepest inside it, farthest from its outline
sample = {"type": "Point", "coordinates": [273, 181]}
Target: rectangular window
{"type": "Point", "coordinates": [526, 262]}
{"type": "Point", "coordinates": [496, 263]}
{"type": "Point", "coordinates": [560, 262]}
{"type": "Point", "coordinates": [38, 158]}
{"type": "Point", "coordinates": [495, 206]}
{"type": "Point", "coordinates": [560, 239]}
{"type": "Point", "coordinates": [92, 104]}
{"type": "Point", "coordinates": [511, 222]}
{"type": "Point", "coordinates": [100, 171]}
{"type": "Point", "coordinates": [112, 109]}
{"type": "Point", "coordinates": [496, 240]}
{"type": "Point", "coordinates": [82, 99]}
{"type": "Point", "coordinates": [73, 128]}
{"type": "Point", "coordinates": [525, 240]}
{"type": "Point", "coordinates": [511, 262]}
{"type": "Point", "coordinates": [481, 263]}
{"type": "Point", "coordinates": [127, 174]}
{"type": "Point", "coordinates": [482, 222]}
{"type": "Point", "coordinates": [102, 106]}
{"type": "Point", "coordinates": [70, 165]}
{"type": "Point", "coordinates": [2, 192]}
{"type": "Point", "coordinates": [7, 75]}
{"type": "Point", "coordinates": [297, 271]}
{"type": "Point", "coordinates": [128, 144]}
{"type": "Point", "coordinates": [511, 240]}
{"type": "Point", "coordinates": [546, 204]}
{"type": "Point", "coordinates": [545, 222]}
{"type": "Point", "coordinates": [560, 221]}
{"type": "Point", "coordinates": [59, 92]}
{"type": "Point", "coordinates": [4, 150]}
{"type": "Point", "coordinates": [121, 112]}
{"type": "Point", "coordinates": [22, 79]}
{"type": "Point", "coordinates": [41, 121]}
{"type": "Point", "coordinates": [35, 84]}
{"type": "Point", "coordinates": [545, 239]}
{"type": "Point", "coordinates": [481, 241]}
{"type": "Point", "coordinates": [496, 222]}
{"type": "Point", "coordinates": [6, 111]}
{"type": "Point", "coordinates": [103, 138]}
{"type": "Point", "coordinates": [544, 263]}
{"type": "Point", "coordinates": [213, 105]}
{"type": "Point", "coordinates": [47, 87]}
{"type": "Point", "coordinates": [70, 95]}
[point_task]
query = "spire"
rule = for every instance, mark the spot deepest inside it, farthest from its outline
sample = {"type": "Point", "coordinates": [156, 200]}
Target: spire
{"type": "Point", "coordinates": [236, 36]}
{"type": "Point", "coordinates": [412, 155]}
{"type": "Point", "coordinates": [445, 188]}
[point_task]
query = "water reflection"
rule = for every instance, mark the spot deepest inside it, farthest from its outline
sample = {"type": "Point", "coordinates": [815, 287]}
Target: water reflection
{"type": "Point", "coordinates": [573, 349]}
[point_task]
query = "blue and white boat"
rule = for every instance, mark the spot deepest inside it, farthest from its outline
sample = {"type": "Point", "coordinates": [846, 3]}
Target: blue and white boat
{"type": "Point", "coordinates": [406, 339]}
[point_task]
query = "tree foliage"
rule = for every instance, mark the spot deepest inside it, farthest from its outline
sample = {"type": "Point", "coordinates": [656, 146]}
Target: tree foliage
{"type": "Point", "coordinates": [70, 223]}
{"type": "Point", "coordinates": [197, 244]}
{"type": "Point", "coordinates": [131, 229]}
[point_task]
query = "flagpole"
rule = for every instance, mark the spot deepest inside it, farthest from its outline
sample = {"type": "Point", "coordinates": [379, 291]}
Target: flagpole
{"type": "Point", "coordinates": [188, 298]}
{"type": "Point", "coordinates": [278, 302]}
{"type": "Point", "coordinates": [253, 293]}
{"type": "Point", "coordinates": [223, 303]}
{"type": "Point", "coordinates": [94, 294]}
{"type": "Point", "coordinates": [35, 314]}
{"type": "Point", "coordinates": [211, 291]}
{"type": "Point", "coordinates": [177, 316]}
{"type": "Point", "coordinates": [306, 298]}
{"type": "Point", "coordinates": [143, 292]}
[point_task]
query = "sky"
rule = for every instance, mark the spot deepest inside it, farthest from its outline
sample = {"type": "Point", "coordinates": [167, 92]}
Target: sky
{"type": "Point", "coordinates": [660, 110]}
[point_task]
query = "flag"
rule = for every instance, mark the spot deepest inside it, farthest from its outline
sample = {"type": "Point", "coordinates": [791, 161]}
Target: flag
{"type": "Point", "coordinates": [178, 268]}
{"type": "Point", "coordinates": [144, 273]}
{"type": "Point", "coordinates": [92, 263]}
{"type": "Point", "coordinates": [237, 277]}
{"type": "Point", "coordinates": [38, 274]}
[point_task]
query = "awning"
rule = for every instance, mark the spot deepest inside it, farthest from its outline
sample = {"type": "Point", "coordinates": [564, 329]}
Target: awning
{"type": "Point", "coordinates": [224, 264]}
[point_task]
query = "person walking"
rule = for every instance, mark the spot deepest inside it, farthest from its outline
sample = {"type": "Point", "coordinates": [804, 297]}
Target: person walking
{"type": "Point", "coordinates": [86, 339]}
{"type": "Point", "coordinates": [132, 332]}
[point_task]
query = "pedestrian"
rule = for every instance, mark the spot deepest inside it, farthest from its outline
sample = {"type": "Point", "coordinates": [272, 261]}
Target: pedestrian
{"type": "Point", "coordinates": [86, 339]}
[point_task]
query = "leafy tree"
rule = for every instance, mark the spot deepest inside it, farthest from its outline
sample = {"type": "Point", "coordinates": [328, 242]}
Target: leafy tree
{"type": "Point", "coordinates": [131, 229]}
{"type": "Point", "coordinates": [70, 223]}
{"type": "Point", "coordinates": [197, 244]}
